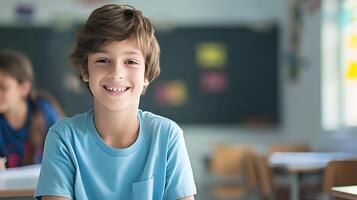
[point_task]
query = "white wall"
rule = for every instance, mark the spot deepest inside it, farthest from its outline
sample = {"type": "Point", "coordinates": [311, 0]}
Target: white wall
{"type": "Point", "coordinates": [300, 99]}
{"type": "Point", "coordinates": [166, 11]}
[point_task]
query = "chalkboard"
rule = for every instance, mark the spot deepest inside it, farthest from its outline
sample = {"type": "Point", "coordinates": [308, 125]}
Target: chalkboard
{"type": "Point", "coordinates": [217, 75]}
{"type": "Point", "coordinates": [209, 75]}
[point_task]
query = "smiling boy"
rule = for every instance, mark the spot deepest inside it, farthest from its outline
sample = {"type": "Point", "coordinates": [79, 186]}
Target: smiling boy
{"type": "Point", "coordinates": [116, 150]}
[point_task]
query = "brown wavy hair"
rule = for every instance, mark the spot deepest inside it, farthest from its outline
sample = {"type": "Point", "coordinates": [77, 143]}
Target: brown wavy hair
{"type": "Point", "coordinates": [116, 23]}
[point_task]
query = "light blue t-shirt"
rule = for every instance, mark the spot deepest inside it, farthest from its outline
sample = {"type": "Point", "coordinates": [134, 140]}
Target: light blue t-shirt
{"type": "Point", "coordinates": [77, 164]}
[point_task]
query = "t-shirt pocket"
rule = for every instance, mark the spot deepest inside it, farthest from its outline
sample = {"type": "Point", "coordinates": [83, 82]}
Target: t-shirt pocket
{"type": "Point", "coordinates": [143, 190]}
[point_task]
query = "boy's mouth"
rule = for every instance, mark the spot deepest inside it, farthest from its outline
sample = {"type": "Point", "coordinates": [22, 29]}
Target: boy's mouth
{"type": "Point", "coordinates": [116, 89]}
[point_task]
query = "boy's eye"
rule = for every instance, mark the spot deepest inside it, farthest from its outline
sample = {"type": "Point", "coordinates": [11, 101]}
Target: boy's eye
{"type": "Point", "coordinates": [102, 61]}
{"type": "Point", "coordinates": [131, 62]}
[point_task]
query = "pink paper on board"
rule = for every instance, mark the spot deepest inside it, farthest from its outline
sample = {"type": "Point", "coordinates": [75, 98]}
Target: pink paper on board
{"type": "Point", "coordinates": [213, 82]}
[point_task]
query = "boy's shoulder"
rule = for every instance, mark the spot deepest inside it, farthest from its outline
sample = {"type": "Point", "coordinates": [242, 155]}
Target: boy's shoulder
{"type": "Point", "coordinates": [77, 122]}
{"type": "Point", "coordinates": [147, 116]}
{"type": "Point", "coordinates": [154, 121]}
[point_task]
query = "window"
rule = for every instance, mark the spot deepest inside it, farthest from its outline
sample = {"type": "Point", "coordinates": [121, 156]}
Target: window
{"type": "Point", "coordinates": [339, 64]}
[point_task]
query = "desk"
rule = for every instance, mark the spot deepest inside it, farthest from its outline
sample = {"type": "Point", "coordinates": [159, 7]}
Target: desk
{"type": "Point", "coordinates": [346, 192]}
{"type": "Point", "coordinates": [296, 163]}
{"type": "Point", "coordinates": [19, 182]}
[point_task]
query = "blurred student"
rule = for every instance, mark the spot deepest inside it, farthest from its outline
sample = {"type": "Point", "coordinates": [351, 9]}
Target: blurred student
{"type": "Point", "coordinates": [25, 115]}
{"type": "Point", "coordinates": [116, 151]}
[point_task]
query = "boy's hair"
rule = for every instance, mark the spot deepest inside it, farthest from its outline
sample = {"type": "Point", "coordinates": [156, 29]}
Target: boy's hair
{"type": "Point", "coordinates": [116, 23]}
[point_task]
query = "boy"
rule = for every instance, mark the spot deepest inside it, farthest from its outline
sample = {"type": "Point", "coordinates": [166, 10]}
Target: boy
{"type": "Point", "coordinates": [116, 151]}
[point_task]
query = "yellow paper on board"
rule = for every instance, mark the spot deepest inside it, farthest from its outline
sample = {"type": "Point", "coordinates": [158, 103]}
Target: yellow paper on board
{"type": "Point", "coordinates": [211, 55]}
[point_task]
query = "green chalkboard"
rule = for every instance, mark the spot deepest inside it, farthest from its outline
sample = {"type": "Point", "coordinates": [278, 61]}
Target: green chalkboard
{"type": "Point", "coordinates": [209, 75]}
{"type": "Point", "coordinates": [224, 75]}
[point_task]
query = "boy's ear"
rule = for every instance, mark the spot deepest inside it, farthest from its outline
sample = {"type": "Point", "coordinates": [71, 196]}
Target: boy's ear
{"type": "Point", "coordinates": [25, 88]}
{"type": "Point", "coordinates": [146, 82]}
{"type": "Point", "coordinates": [84, 76]}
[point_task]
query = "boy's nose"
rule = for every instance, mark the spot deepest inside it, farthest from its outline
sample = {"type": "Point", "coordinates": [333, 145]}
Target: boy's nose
{"type": "Point", "coordinates": [118, 72]}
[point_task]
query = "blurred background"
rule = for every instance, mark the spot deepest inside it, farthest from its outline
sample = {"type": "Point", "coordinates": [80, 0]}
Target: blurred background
{"type": "Point", "coordinates": [255, 73]}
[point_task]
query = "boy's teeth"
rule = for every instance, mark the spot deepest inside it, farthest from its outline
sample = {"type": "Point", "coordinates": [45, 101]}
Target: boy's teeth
{"type": "Point", "coordinates": [116, 89]}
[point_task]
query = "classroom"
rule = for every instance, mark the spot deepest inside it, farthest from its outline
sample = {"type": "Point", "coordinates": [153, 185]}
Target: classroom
{"type": "Point", "coordinates": [265, 91]}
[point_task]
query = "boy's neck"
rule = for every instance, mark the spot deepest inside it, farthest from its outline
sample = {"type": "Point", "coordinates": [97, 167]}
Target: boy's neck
{"type": "Point", "coordinates": [117, 129]}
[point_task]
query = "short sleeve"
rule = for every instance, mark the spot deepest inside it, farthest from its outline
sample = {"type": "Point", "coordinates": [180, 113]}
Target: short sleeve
{"type": "Point", "coordinates": [57, 170]}
{"type": "Point", "coordinates": [179, 177]}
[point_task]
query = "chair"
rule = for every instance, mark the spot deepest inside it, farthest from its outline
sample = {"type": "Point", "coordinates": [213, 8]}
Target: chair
{"type": "Point", "coordinates": [289, 148]}
{"type": "Point", "coordinates": [265, 178]}
{"type": "Point", "coordinates": [339, 173]}
{"type": "Point", "coordinates": [280, 183]}
{"type": "Point", "coordinates": [235, 167]}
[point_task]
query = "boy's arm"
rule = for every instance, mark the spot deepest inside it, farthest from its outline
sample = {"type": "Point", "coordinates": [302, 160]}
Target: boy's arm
{"type": "Point", "coordinates": [179, 177]}
{"type": "Point", "coordinates": [57, 169]}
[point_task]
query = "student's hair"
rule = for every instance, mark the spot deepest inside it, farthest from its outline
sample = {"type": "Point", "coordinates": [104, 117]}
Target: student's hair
{"type": "Point", "coordinates": [18, 66]}
{"type": "Point", "coordinates": [117, 23]}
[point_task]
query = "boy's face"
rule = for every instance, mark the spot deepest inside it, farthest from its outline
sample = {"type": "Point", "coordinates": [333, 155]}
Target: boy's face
{"type": "Point", "coordinates": [116, 75]}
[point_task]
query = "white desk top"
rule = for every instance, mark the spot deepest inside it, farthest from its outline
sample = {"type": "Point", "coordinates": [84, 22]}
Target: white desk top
{"type": "Point", "coordinates": [346, 189]}
{"type": "Point", "coordinates": [348, 192]}
{"type": "Point", "coordinates": [304, 161]}
{"type": "Point", "coordinates": [20, 178]}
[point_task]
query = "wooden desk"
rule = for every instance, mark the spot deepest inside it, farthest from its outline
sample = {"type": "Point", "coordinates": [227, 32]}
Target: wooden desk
{"type": "Point", "coordinates": [345, 192]}
{"type": "Point", "coordinates": [297, 163]}
{"type": "Point", "coordinates": [19, 182]}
